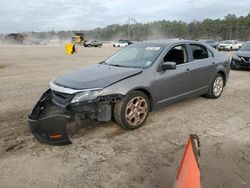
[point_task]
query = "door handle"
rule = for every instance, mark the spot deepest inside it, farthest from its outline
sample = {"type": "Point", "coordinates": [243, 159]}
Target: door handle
{"type": "Point", "coordinates": [187, 70]}
{"type": "Point", "coordinates": [213, 63]}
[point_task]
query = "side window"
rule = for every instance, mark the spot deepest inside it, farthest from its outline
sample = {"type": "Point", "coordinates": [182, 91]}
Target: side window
{"type": "Point", "coordinates": [199, 51]}
{"type": "Point", "coordinates": [177, 54]}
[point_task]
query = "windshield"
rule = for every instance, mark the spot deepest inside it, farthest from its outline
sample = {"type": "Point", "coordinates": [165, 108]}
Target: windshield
{"type": "Point", "coordinates": [245, 47]}
{"type": "Point", "coordinates": [226, 42]}
{"type": "Point", "coordinates": [135, 56]}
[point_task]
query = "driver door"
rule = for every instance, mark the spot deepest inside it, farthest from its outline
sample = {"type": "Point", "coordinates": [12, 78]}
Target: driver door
{"type": "Point", "coordinates": [172, 85]}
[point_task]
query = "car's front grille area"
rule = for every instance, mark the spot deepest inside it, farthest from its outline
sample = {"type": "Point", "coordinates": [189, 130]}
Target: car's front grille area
{"type": "Point", "coordinates": [62, 98]}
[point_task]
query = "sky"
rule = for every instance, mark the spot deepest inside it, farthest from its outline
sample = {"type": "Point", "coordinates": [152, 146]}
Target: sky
{"type": "Point", "coordinates": [44, 15]}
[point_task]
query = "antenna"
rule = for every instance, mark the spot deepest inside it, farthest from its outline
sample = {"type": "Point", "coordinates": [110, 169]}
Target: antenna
{"type": "Point", "coordinates": [131, 21]}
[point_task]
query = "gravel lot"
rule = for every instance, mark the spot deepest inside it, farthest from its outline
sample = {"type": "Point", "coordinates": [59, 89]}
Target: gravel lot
{"type": "Point", "coordinates": [104, 155]}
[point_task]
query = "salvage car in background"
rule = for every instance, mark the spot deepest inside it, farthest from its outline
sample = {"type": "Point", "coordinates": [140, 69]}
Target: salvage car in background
{"type": "Point", "coordinates": [128, 85]}
{"type": "Point", "coordinates": [229, 45]}
{"type": "Point", "coordinates": [122, 43]}
{"type": "Point", "coordinates": [210, 42]}
{"type": "Point", "coordinates": [93, 43]}
{"type": "Point", "coordinates": [241, 58]}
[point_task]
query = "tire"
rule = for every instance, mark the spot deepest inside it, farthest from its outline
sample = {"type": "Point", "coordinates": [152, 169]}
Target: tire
{"type": "Point", "coordinates": [216, 87]}
{"type": "Point", "coordinates": [136, 105]}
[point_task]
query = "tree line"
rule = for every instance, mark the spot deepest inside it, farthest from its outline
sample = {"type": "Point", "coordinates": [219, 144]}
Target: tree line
{"type": "Point", "coordinates": [230, 27]}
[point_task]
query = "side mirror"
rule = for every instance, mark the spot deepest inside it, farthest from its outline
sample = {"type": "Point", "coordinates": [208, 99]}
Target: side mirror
{"type": "Point", "coordinates": [169, 65]}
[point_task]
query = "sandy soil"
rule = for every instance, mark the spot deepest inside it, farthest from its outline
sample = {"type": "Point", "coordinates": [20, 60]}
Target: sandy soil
{"type": "Point", "coordinates": [104, 155]}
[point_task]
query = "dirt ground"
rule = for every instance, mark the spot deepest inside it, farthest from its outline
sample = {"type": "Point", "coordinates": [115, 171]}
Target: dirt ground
{"type": "Point", "coordinates": [104, 155]}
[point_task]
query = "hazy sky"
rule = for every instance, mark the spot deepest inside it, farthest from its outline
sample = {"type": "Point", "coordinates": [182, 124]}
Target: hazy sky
{"type": "Point", "coordinates": [43, 15]}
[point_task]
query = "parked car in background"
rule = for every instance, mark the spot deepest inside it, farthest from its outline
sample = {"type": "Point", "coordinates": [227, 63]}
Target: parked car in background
{"type": "Point", "coordinates": [127, 41]}
{"type": "Point", "coordinates": [122, 43]}
{"type": "Point", "coordinates": [93, 43]}
{"type": "Point", "coordinates": [241, 58]}
{"type": "Point", "coordinates": [210, 42]}
{"type": "Point", "coordinates": [128, 85]}
{"type": "Point", "coordinates": [229, 45]}
{"type": "Point", "coordinates": [32, 41]}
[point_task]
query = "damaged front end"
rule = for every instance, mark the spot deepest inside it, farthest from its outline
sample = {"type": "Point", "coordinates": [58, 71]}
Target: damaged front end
{"type": "Point", "coordinates": [50, 117]}
{"type": "Point", "coordinates": [48, 123]}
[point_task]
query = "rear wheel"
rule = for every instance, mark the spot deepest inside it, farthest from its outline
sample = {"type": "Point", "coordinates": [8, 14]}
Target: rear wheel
{"type": "Point", "coordinates": [216, 87]}
{"type": "Point", "coordinates": [132, 111]}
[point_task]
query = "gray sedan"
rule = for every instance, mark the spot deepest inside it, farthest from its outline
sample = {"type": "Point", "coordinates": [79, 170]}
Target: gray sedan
{"type": "Point", "coordinates": [128, 85]}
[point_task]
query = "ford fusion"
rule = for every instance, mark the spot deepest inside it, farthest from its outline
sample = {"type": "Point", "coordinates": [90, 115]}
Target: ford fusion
{"type": "Point", "coordinates": [128, 85]}
{"type": "Point", "coordinates": [241, 58]}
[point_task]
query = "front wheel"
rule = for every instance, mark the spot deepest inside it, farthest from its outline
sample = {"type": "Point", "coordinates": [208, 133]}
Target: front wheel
{"type": "Point", "coordinates": [216, 87]}
{"type": "Point", "coordinates": [132, 111]}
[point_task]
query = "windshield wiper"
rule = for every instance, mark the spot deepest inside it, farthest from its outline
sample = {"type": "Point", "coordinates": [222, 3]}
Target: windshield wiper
{"type": "Point", "coordinates": [103, 62]}
{"type": "Point", "coordinates": [116, 65]}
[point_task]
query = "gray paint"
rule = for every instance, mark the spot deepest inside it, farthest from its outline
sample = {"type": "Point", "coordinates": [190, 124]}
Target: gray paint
{"type": "Point", "coordinates": [95, 76]}
{"type": "Point", "coordinates": [187, 80]}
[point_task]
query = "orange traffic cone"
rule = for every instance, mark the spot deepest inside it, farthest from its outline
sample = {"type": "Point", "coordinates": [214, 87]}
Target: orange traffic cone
{"type": "Point", "coordinates": [188, 175]}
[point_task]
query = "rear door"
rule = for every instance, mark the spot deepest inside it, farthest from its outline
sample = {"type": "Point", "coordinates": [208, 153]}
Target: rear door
{"type": "Point", "coordinates": [202, 67]}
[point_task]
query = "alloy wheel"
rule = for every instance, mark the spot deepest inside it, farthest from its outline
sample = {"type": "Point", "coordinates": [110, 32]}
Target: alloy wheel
{"type": "Point", "coordinates": [136, 111]}
{"type": "Point", "coordinates": [218, 86]}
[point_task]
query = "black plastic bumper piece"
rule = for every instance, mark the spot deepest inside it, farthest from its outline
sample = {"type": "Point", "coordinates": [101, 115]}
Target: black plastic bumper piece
{"type": "Point", "coordinates": [49, 129]}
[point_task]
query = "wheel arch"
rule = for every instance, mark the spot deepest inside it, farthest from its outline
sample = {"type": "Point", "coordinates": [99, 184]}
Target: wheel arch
{"type": "Point", "coordinates": [148, 94]}
{"type": "Point", "coordinates": [223, 75]}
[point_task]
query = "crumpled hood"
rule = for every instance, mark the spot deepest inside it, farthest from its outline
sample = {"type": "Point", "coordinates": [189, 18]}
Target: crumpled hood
{"type": "Point", "coordinates": [243, 53]}
{"type": "Point", "coordinates": [95, 76]}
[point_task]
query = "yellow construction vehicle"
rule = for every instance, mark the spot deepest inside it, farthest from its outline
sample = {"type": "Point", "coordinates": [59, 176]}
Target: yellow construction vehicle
{"type": "Point", "coordinates": [78, 39]}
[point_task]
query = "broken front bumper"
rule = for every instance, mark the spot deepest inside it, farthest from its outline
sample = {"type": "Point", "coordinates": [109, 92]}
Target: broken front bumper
{"type": "Point", "coordinates": [49, 118]}
{"type": "Point", "coordinates": [49, 128]}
